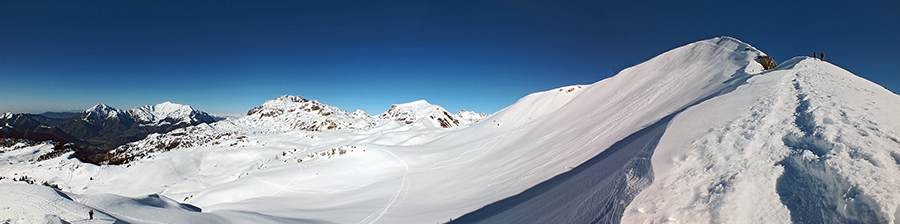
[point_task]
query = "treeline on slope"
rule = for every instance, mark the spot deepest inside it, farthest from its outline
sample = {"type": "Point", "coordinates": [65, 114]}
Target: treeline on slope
{"type": "Point", "coordinates": [90, 141]}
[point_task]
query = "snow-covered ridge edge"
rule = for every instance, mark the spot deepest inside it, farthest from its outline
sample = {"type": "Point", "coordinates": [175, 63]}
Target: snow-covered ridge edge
{"type": "Point", "coordinates": [629, 102]}
{"type": "Point", "coordinates": [808, 150]}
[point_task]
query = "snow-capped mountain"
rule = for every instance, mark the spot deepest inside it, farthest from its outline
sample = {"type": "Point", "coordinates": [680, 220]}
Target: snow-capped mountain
{"type": "Point", "coordinates": [168, 113]}
{"type": "Point", "coordinates": [294, 113]}
{"type": "Point", "coordinates": [699, 134]}
{"type": "Point", "coordinates": [100, 113]}
{"type": "Point", "coordinates": [471, 116]}
{"type": "Point", "coordinates": [102, 127]}
{"type": "Point", "coordinates": [422, 113]}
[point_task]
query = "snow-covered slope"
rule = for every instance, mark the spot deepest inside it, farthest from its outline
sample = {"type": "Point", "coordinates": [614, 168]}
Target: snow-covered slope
{"type": "Point", "coordinates": [805, 142]}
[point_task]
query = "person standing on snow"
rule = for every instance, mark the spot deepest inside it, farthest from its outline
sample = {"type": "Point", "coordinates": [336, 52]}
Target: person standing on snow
{"type": "Point", "coordinates": [821, 56]}
{"type": "Point", "coordinates": [91, 213]}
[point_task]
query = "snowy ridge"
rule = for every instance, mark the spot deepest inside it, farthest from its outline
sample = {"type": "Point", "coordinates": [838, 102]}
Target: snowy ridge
{"type": "Point", "coordinates": [422, 113]}
{"type": "Point", "coordinates": [806, 142]}
{"type": "Point", "coordinates": [471, 116]}
{"type": "Point", "coordinates": [98, 114]}
{"type": "Point", "coordinates": [165, 113]}
{"type": "Point", "coordinates": [161, 114]}
{"type": "Point", "coordinates": [294, 113]}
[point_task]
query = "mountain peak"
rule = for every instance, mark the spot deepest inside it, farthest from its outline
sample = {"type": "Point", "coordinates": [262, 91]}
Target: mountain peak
{"type": "Point", "coordinates": [168, 112]}
{"type": "Point", "coordinates": [101, 112]}
{"type": "Point", "coordinates": [423, 113]}
{"type": "Point", "coordinates": [417, 103]}
{"type": "Point", "coordinates": [100, 107]}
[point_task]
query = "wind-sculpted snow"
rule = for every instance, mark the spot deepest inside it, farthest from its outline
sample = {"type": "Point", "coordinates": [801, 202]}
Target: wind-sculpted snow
{"type": "Point", "coordinates": [807, 143]}
{"type": "Point", "coordinates": [803, 142]}
{"type": "Point", "coordinates": [596, 191]}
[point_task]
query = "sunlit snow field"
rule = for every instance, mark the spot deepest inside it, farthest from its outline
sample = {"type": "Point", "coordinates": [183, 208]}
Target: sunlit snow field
{"type": "Point", "coordinates": [698, 134]}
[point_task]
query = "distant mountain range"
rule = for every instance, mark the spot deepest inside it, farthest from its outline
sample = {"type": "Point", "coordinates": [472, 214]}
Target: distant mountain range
{"type": "Point", "coordinates": [102, 133]}
{"type": "Point", "coordinates": [288, 113]}
{"type": "Point", "coordinates": [102, 127]}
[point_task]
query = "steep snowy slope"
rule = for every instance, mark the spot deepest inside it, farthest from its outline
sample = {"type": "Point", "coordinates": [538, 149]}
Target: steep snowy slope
{"type": "Point", "coordinates": [729, 143]}
{"type": "Point", "coordinates": [807, 142]}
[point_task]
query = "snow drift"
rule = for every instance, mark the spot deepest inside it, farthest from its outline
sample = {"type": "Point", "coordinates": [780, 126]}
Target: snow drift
{"type": "Point", "coordinates": [700, 133]}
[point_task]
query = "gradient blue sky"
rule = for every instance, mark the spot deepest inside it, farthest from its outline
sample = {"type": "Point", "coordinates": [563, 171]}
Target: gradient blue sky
{"type": "Point", "coordinates": [229, 56]}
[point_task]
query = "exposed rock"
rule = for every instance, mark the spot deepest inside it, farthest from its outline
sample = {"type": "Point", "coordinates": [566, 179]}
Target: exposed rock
{"type": "Point", "coordinates": [766, 62]}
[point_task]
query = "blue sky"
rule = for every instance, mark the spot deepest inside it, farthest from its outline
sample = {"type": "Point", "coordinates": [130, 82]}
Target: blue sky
{"type": "Point", "coordinates": [229, 56]}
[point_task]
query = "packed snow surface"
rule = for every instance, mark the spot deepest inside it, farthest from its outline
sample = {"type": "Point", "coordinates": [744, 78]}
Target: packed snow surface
{"type": "Point", "coordinates": [804, 142]}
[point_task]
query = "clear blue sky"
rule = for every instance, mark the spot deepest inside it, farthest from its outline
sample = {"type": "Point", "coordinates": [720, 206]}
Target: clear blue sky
{"type": "Point", "coordinates": [229, 56]}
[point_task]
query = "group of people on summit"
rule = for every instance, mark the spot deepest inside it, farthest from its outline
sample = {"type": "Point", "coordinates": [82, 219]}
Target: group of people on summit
{"type": "Point", "coordinates": [820, 55]}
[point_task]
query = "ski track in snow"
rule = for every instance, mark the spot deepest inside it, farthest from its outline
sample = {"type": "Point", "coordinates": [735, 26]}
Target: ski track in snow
{"type": "Point", "coordinates": [403, 186]}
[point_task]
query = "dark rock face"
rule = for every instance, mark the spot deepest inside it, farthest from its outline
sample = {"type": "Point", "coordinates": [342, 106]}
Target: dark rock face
{"type": "Point", "coordinates": [29, 126]}
{"type": "Point", "coordinates": [767, 62]}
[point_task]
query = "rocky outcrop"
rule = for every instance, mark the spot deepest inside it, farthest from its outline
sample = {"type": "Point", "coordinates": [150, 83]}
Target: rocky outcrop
{"type": "Point", "coordinates": [766, 62]}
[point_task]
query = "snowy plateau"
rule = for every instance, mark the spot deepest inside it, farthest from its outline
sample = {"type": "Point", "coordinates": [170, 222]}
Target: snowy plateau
{"type": "Point", "coordinates": [699, 134]}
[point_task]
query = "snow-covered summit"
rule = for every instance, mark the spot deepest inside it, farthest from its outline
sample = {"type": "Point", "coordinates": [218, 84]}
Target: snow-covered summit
{"type": "Point", "coordinates": [169, 113]}
{"type": "Point", "coordinates": [422, 113]}
{"type": "Point", "coordinates": [98, 114]}
{"type": "Point", "coordinates": [166, 113]}
{"type": "Point", "coordinates": [295, 112]}
{"type": "Point", "coordinates": [471, 116]}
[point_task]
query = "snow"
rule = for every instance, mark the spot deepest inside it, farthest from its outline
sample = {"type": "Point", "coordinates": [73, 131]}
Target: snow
{"type": "Point", "coordinates": [729, 143]}
{"type": "Point", "coordinates": [99, 113]}
{"type": "Point", "coordinates": [804, 139]}
{"type": "Point", "coordinates": [420, 113]}
{"type": "Point", "coordinates": [471, 116]}
{"type": "Point", "coordinates": [158, 114]}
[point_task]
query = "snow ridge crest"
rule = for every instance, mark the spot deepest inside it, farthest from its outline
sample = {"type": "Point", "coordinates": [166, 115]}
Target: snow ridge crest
{"type": "Point", "coordinates": [160, 114]}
